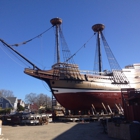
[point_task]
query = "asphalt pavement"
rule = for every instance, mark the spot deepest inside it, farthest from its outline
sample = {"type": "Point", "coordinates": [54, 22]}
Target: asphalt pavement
{"type": "Point", "coordinates": [56, 131]}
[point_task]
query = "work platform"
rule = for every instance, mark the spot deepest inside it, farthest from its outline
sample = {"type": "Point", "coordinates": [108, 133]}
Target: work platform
{"type": "Point", "coordinates": [80, 118]}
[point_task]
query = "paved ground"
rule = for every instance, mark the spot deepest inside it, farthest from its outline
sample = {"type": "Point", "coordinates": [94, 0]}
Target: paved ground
{"type": "Point", "coordinates": [56, 131]}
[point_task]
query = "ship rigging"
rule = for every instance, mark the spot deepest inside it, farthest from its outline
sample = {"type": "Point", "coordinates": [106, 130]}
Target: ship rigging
{"type": "Point", "coordinates": [79, 90]}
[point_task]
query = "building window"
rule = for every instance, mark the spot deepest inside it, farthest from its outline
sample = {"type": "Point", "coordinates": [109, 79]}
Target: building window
{"type": "Point", "coordinates": [1, 105]}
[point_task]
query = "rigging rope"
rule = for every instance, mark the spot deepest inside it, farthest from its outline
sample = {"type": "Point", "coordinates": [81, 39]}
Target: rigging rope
{"type": "Point", "coordinates": [11, 57]}
{"type": "Point", "coordinates": [22, 43]}
{"type": "Point", "coordinates": [80, 48]}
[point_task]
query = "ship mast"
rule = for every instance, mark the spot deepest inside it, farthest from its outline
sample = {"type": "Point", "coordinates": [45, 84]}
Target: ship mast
{"type": "Point", "coordinates": [117, 73]}
{"type": "Point", "coordinates": [98, 28]}
{"type": "Point", "coordinates": [56, 22]}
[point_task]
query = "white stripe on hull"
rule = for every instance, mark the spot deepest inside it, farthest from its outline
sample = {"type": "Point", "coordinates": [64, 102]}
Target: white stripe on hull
{"type": "Point", "coordinates": [61, 90]}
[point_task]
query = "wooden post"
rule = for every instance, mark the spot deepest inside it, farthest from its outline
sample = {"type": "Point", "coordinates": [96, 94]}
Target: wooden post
{"type": "Point", "coordinates": [94, 109]}
{"type": "Point", "coordinates": [118, 108]}
{"type": "Point", "coordinates": [105, 108]}
{"type": "Point", "coordinates": [109, 109]}
{"type": "Point", "coordinates": [0, 127]}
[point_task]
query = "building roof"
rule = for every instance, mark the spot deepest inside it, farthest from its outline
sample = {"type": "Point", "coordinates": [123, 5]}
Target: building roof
{"type": "Point", "coordinates": [12, 99]}
{"type": "Point", "coordinates": [7, 100]}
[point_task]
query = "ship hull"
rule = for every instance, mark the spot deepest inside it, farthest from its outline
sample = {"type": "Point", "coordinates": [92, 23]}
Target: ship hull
{"type": "Point", "coordinates": [75, 99]}
{"type": "Point", "coordinates": [81, 94]}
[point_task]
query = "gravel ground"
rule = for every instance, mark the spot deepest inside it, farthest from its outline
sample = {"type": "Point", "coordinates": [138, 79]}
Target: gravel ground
{"type": "Point", "coordinates": [56, 131]}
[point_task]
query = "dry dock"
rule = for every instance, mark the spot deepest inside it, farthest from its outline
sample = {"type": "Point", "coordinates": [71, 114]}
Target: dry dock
{"type": "Point", "coordinates": [56, 131]}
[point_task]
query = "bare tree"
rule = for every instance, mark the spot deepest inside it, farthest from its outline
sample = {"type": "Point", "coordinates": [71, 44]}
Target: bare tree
{"type": "Point", "coordinates": [30, 98]}
{"type": "Point", "coordinates": [39, 99]}
{"type": "Point", "coordinates": [6, 93]}
{"type": "Point", "coordinates": [49, 102]}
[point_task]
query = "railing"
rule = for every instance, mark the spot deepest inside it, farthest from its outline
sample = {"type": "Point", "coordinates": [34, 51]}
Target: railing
{"type": "Point", "coordinates": [87, 72]}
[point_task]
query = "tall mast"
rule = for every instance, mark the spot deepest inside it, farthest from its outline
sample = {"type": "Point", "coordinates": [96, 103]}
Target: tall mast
{"type": "Point", "coordinates": [56, 22]}
{"type": "Point", "coordinates": [98, 28]}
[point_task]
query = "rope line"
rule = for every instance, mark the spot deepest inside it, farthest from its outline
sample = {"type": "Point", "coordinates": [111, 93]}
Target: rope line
{"type": "Point", "coordinates": [11, 57]}
{"type": "Point", "coordinates": [19, 44]}
{"type": "Point", "coordinates": [80, 48]}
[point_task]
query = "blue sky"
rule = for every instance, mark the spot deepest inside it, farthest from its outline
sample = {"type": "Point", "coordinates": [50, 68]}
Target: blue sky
{"type": "Point", "coordinates": [23, 20]}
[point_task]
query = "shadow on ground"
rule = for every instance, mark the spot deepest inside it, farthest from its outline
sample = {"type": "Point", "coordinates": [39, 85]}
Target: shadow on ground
{"type": "Point", "coordinates": [85, 131]}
